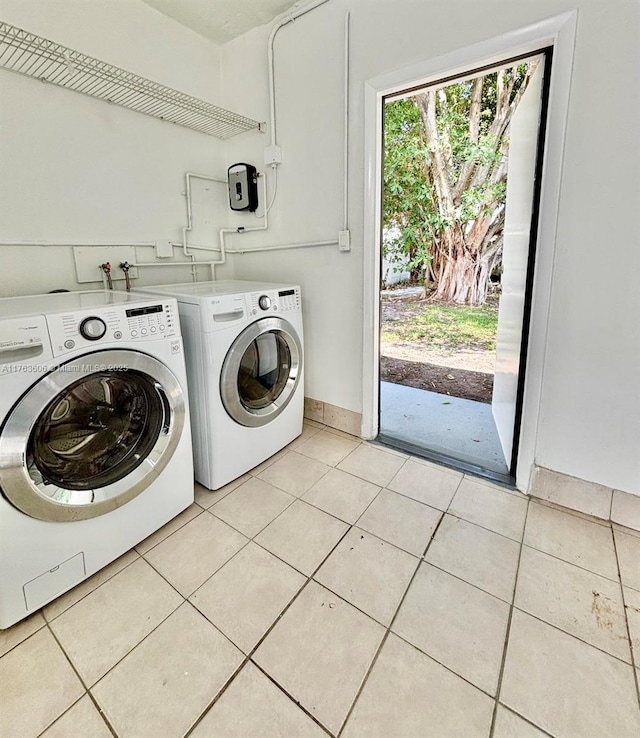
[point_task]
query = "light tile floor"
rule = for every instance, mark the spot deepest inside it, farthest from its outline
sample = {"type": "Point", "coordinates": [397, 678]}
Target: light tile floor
{"type": "Point", "coordinates": [343, 589]}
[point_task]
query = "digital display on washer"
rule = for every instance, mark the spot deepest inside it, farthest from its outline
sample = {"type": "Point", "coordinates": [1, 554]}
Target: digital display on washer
{"type": "Point", "coordinates": [284, 293]}
{"type": "Point", "coordinates": [133, 312]}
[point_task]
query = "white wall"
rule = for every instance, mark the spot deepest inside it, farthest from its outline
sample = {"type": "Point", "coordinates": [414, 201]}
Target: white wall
{"type": "Point", "coordinates": [590, 409]}
{"type": "Point", "coordinates": [76, 169]}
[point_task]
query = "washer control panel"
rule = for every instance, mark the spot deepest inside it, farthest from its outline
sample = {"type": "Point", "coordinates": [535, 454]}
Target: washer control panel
{"type": "Point", "coordinates": [116, 323]}
{"type": "Point", "coordinates": [274, 301]}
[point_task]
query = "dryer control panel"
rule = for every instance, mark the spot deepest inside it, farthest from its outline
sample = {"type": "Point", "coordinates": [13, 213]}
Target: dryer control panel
{"type": "Point", "coordinates": [274, 301]}
{"type": "Point", "coordinates": [114, 324]}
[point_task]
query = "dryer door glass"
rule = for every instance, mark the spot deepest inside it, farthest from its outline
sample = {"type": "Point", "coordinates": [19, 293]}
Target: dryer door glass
{"type": "Point", "coordinates": [261, 371]}
{"type": "Point", "coordinates": [97, 431]}
{"type": "Point", "coordinates": [264, 370]}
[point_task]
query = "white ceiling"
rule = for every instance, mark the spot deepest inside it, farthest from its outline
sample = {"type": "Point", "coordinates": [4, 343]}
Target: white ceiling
{"type": "Point", "coordinates": [221, 20]}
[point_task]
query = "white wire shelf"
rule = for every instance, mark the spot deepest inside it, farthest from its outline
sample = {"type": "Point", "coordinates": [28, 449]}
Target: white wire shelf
{"type": "Point", "coordinates": [34, 56]}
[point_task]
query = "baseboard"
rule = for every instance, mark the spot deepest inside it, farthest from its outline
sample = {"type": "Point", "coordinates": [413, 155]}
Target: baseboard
{"type": "Point", "coordinates": [586, 497]}
{"type": "Point", "coordinates": [333, 416]}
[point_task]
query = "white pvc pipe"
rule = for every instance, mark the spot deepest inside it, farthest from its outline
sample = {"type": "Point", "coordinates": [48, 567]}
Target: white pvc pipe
{"type": "Point", "coordinates": [193, 264]}
{"type": "Point", "coordinates": [189, 225]}
{"type": "Point", "coordinates": [222, 250]}
{"type": "Point", "coordinates": [163, 263]}
{"type": "Point", "coordinates": [282, 247]}
{"type": "Point", "coordinates": [242, 229]}
{"type": "Point", "coordinates": [285, 19]}
{"type": "Point", "coordinates": [251, 249]}
{"type": "Point", "coordinates": [73, 243]}
{"type": "Point", "coordinates": [345, 219]}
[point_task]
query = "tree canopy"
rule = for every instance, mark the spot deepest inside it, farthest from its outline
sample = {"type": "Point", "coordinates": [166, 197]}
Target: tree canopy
{"type": "Point", "coordinates": [445, 170]}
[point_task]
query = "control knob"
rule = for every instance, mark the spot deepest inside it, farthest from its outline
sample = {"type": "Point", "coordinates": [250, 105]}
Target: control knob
{"type": "Point", "coordinates": [93, 329]}
{"type": "Point", "coordinates": [265, 302]}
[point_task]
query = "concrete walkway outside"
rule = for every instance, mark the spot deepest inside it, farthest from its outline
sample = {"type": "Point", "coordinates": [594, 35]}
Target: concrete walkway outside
{"type": "Point", "coordinates": [462, 429]}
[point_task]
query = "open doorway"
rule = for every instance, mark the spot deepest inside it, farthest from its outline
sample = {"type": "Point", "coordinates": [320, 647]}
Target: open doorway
{"type": "Point", "coordinates": [462, 171]}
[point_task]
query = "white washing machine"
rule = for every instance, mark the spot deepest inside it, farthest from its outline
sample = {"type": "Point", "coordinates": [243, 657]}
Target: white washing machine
{"type": "Point", "coordinates": [243, 343]}
{"type": "Point", "coordinates": [95, 443]}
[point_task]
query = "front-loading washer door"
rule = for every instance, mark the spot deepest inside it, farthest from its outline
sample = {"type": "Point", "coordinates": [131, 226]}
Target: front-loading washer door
{"type": "Point", "coordinates": [261, 371]}
{"type": "Point", "coordinates": [91, 435]}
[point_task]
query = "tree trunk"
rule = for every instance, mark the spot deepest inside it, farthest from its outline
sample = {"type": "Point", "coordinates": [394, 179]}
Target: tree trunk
{"type": "Point", "coordinates": [464, 253]}
{"type": "Point", "coordinates": [458, 276]}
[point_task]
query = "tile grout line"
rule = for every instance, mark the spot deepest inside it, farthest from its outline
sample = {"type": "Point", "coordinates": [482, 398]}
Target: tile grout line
{"type": "Point", "coordinates": [550, 504]}
{"type": "Point", "coordinates": [102, 713]}
{"type": "Point", "coordinates": [471, 522]}
{"type": "Point", "coordinates": [248, 658]}
{"type": "Point", "coordinates": [444, 666]}
{"type": "Point", "coordinates": [625, 529]}
{"type": "Point", "coordinates": [257, 543]}
{"type": "Point", "coordinates": [541, 620]}
{"type": "Point", "coordinates": [83, 683]}
{"type": "Point", "coordinates": [496, 486]}
{"type": "Point", "coordinates": [460, 579]}
{"type": "Point", "coordinates": [47, 625]}
{"type": "Point", "coordinates": [611, 507]}
{"type": "Point", "coordinates": [133, 648]}
{"type": "Point", "coordinates": [323, 475]}
{"type": "Point", "coordinates": [84, 597]}
{"type": "Point", "coordinates": [26, 638]}
{"type": "Point", "coordinates": [508, 632]}
{"type": "Point", "coordinates": [166, 538]}
{"type": "Point", "coordinates": [342, 520]}
{"type": "Point", "coordinates": [386, 634]}
{"type": "Point", "coordinates": [322, 461]}
{"type": "Point", "coordinates": [570, 563]}
{"type": "Point", "coordinates": [245, 660]}
{"type": "Point", "coordinates": [142, 640]}
{"type": "Point", "coordinates": [268, 631]}
{"type": "Point", "coordinates": [95, 589]}
{"type": "Point", "coordinates": [588, 571]}
{"type": "Point", "coordinates": [359, 609]}
{"type": "Point", "coordinates": [345, 522]}
{"type": "Point", "coordinates": [251, 538]}
{"type": "Point", "coordinates": [290, 696]}
{"type": "Point", "coordinates": [626, 620]}
{"type": "Point", "coordinates": [452, 514]}
{"type": "Point", "coordinates": [528, 721]}
{"type": "Point", "coordinates": [124, 568]}
{"type": "Point", "coordinates": [571, 635]}
{"type": "Point", "coordinates": [351, 526]}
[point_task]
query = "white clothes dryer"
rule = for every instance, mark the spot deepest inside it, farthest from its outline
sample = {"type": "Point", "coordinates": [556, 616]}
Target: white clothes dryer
{"type": "Point", "coordinates": [244, 351]}
{"type": "Point", "coordinates": [95, 443]}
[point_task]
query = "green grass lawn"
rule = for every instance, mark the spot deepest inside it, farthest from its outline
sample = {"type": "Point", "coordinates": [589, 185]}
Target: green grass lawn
{"type": "Point", "coordinates": [446, 325]}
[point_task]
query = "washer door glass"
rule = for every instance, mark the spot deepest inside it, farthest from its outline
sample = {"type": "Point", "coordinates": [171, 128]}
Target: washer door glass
{"type": "Point", "coordinates": [88, 437]}
{"type": "Point", "coordinates": [261, 372]}
{"type": "Point", "coordinates": [97, 431]}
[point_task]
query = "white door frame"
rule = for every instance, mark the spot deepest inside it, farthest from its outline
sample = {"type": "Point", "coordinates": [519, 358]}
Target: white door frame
{"type": "Point", "coordinates": [559, 33]}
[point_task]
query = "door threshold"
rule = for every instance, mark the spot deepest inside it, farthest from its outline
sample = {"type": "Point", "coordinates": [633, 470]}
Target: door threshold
{"type": "Point", "coordinates": [504, 480]}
